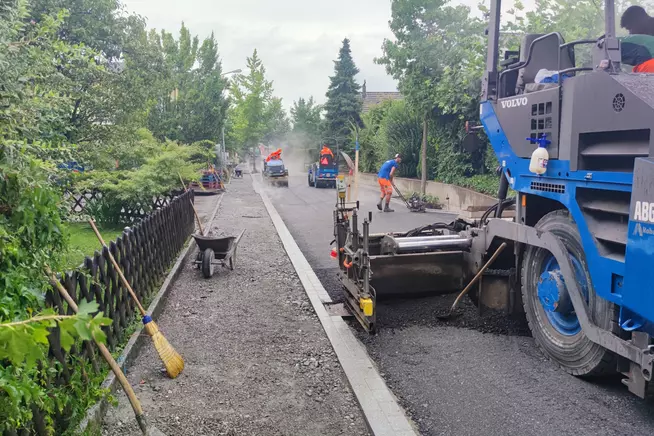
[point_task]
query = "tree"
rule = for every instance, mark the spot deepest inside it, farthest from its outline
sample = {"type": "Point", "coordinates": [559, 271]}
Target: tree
{"type": "Point", "coordinates": [344, 104]}
{"type": "Point", "coordinates": [252, 95]}
{"type": "Point", "coordinates": [306, 119]}
{"type": "Point", "coordinates": [437, 57]}
{"type": "Point", "coordinates": [391, 127]}
{"type": "Point", "coordinates": [206, 106]}
{"type": "Point", "coordinates": [278, 124]}
{"type": "Point", "coordinates": [169, 117]}
{"type": "Point", "coordinates": [106, 97]}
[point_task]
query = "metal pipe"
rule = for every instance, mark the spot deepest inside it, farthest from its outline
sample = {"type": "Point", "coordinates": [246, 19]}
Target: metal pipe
{"type": "Point", "coordinates": [355, 230]}
{"type": "Point", "coordinates": [489, 91]}
{"type": "Point", "coordinates": [460, 244]}
{"type": "Point", "coordinates": [609, 18]}
{"type": "Point", "coordinates": [428, 238]}
{"type": "Point", "coordinates": [366, 260]}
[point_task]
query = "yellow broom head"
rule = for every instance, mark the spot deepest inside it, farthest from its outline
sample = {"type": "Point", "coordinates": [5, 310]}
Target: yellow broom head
{"type": "Point", "coordinates": [171, 359]}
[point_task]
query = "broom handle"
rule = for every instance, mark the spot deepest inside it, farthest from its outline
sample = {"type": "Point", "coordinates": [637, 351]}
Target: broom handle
{"type": "Point", "coordinates": [117, 268]}
{"type": "Point", "coordinates": [136, 405]}
{"type": "Point", "coordinates": [195, 212]}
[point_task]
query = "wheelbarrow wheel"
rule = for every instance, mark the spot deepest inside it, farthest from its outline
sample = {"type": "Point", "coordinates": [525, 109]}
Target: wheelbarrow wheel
{"type": "Point", "coordinates": [207, 263]}
{"type": "Point", "coordinates": [198, 260]}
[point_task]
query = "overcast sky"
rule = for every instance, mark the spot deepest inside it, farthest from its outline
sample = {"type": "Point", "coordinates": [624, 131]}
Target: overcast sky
{"type": "Point", "coordinates": [296, 39]}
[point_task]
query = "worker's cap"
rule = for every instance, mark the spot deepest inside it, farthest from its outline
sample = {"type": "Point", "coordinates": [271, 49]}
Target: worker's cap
{"type": "Point", "coordinates": [398, 156]}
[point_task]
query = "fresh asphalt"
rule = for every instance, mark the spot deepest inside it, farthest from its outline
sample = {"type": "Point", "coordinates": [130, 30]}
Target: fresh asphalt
{"type": "Point", "coordinates": [471, 376]}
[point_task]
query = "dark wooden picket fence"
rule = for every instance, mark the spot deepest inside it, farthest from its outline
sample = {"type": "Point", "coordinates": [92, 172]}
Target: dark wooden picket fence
{"type": "Point", "coordinates": [77, 202]}
{"type": "Point", "coordinates": [145, 252]}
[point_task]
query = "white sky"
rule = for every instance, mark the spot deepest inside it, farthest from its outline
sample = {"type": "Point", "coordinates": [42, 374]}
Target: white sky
{"type": "Point", "coordinates": [296, 39]}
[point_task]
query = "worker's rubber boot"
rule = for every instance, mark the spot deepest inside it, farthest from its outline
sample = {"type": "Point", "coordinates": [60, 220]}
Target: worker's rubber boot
{"type": "Point", "coordinates": [379, 205]}
{"type": "Point", "coordinates": [388, 209]}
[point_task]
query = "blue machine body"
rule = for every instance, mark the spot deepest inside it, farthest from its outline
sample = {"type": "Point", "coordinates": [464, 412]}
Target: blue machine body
{"type": "Point", "coordinates": [323, 172]}
{"type": "Point", "coordinates": [626, 283]}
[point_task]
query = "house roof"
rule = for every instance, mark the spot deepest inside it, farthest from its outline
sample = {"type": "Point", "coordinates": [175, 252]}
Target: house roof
{"type": "Point", "coordinates": [371, 99]}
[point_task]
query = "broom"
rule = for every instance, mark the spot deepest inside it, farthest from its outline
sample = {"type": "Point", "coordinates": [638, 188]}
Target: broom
{"type": "Point", "coordinates": [171, 359]}
{"type": "Point", "coordinates": [136, 405]}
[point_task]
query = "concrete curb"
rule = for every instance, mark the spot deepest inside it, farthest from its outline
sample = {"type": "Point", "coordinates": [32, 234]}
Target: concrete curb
{"type": "Point", "coordinates": [96, 413]}
{"type": "Point", "coordinates": [381, 410]}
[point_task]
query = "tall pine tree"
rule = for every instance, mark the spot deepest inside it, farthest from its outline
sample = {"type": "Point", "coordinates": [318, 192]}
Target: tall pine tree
{"type": "Point", "coordinates": [343, 106]}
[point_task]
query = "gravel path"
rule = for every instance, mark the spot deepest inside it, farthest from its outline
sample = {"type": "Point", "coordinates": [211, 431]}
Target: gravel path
{"type": "Point", "coordinates": [257, 359]}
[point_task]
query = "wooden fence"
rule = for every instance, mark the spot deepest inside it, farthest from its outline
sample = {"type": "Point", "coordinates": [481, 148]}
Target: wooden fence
{"type": "Point", "coordinates": [144, 252]}
{"type": "Point", "coordinates": [77, 202]}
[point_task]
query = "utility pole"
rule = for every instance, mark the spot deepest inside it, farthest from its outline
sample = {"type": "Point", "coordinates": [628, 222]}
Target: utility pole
{"type": "Point", "coordinates": [356, 167]}
{"type": "Point", "coordinates": [224, 149]}
{"type": "Point", "coordinates": [423, 158]}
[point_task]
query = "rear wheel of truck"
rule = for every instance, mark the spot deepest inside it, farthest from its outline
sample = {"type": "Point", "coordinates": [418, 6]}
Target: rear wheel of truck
{"type": "Point", "coordinates": [552, 319]}
{"type": "Point", "coordinates": [309, 180]}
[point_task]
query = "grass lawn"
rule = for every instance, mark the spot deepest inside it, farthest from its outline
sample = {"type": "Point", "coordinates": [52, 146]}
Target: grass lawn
{"type": "Point", "coordinates": [83, 242]}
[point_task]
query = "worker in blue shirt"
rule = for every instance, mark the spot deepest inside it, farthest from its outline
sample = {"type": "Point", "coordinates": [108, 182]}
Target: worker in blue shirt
{"type": "Point", "coordinates": [384, 178]}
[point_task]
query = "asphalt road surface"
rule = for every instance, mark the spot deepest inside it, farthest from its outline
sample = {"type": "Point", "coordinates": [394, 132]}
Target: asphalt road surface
{"type": "Point", "coordinates": [471, 375]}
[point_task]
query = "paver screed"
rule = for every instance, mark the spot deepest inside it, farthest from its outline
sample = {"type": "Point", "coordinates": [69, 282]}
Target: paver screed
{"type": "Point", "coordinates": [257, 359]}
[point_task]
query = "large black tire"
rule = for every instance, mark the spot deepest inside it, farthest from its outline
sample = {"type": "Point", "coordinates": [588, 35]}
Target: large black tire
{"type": "Point", "coordinates": [207, 263]}
{"type": "Point", "coordinates": [574, 353]}
{"type": "Point", "coordinates": [309, 179]}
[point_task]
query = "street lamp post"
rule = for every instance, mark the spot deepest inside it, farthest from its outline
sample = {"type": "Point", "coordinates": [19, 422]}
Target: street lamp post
{"type": "Point", "coordinates": [221, 147]}
{"type": "Point", "coordinates": [356, 168]}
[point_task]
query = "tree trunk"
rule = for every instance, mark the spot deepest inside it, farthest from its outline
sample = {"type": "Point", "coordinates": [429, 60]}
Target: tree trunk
{"type": "Point", "coordinates": [423, 158]}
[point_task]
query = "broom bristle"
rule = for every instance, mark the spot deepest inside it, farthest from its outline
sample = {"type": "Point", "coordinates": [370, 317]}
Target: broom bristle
{"type": "Point", "coordinates": [171, 359]}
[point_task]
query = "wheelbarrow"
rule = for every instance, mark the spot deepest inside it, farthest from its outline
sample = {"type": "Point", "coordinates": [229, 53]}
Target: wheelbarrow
{"type": "Point", "coordinates": [216, 251]}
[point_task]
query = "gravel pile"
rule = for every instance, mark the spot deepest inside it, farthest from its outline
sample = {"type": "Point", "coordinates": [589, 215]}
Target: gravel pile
{"type": "Point", "coordinates": [257, 359]}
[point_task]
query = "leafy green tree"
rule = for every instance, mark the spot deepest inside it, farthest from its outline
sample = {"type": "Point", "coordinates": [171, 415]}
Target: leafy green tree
{"type": "Point", "coordinates": [278, 124]}
{"type": "Point", "coordinates": [34, 117]}
{"type": "Point", "coordinates": [306, 119]}
{"type": "Point", "coordinates": [391, 127]}
{"type": "Point", "coordinates": [206, 104]}
{"type": "Point", "coordinates": [252, 94]}
{"type": "Point", "coordinates": [583, 19]}
{"type": "Point", "coordinates": [344, 104]}
{"type": "Point", "coordinates": [437, 56]}
{"type": "Point", "coordinates": [104, 101]}
{"type": "Point", "coordinates": [168, 117]}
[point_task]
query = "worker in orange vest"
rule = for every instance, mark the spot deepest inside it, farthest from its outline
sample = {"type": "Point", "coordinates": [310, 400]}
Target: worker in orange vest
{"type": "Point", "coordinates": [323, 155]}
{"type": "Point", "coordinates": [274, 155]}
{"type": "Point", "coordinates": [384, 177]}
